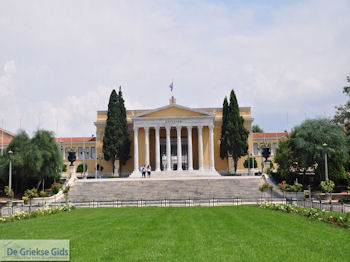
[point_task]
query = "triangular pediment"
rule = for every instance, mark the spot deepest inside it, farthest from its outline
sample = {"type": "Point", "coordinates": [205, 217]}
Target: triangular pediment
{"type": "Point", "coordinates": [173, 110]}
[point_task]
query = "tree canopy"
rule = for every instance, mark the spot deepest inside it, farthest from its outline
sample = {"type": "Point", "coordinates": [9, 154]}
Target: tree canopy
{"type": "Point", "coordinates": [116, 141]}
{"type": "Point", "coordinates": [33, 160]}
{"type": "Point", "coordinates": [257, 129]}
{"type": "Point", "coordinates": [234, 135]}
{"type": "Point", "coordinates": [306, 147]}
{"type": "Point", "coordinates": [342, 114]}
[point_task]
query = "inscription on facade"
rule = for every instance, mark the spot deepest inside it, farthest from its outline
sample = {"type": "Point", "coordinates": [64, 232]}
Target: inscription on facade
{"type": "Point", "coordinates": [173, 121]}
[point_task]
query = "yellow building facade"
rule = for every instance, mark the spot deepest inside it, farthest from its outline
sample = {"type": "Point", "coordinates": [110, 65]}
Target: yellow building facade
{"type": "Point", "coordinates": [170, 139]}
{"type": "Point", "coordinates": [174, 138]}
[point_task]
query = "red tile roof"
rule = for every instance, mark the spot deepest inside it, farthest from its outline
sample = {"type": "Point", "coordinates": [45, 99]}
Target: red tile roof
{"type": "Point", "coordinates": [269, 135]}
{"type": "Point", "coordinates": [75, 139]}
{"type": "Point", "coordinates": [6, 141]}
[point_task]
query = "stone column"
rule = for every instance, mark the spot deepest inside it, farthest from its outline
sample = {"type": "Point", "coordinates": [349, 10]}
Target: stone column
{"type": "Point", "coordinates": [136, 149]}
{"type": "Point", "coordinates": [146, 146]}
{"type": "Point", "coordinates": [157, 149]}
{"type": "Point", "coordinates": [211, 146]}
{"type": "Point", "coordinates": [179, 149]}
{"type": "Point", "coordinates": [168, 148]}
{"type": "Point", "coordinates": [200, 148]}
{"type": "Point", "coordinates": [189, 144]}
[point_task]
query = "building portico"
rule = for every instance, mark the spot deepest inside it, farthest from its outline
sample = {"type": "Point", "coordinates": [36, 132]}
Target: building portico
{"type": "Point", "coordinates": [178, 154]}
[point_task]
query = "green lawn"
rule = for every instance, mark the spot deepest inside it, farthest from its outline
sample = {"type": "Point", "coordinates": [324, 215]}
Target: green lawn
{"type": "Point", "coordinates": [240, 233]}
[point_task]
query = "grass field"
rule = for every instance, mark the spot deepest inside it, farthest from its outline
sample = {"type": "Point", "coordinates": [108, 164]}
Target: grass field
{"type": "Point", "coordinates": [240, 233]}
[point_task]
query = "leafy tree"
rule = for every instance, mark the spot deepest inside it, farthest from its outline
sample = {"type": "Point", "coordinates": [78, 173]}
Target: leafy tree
{"type": "Point", "coordinates": [284, 158]}
{"type": "Point", "coordinates": [116, 141]}
{"type": "Point", "coordinates": [224, 133]}
{"type": "Point", "coordinates": [342, 114]}
{"type": "Point", "coordinates": [33, 160]}
{"type": "Point", "coordinates": [237, 134]}
{"type": "Point", "coordinates": [20, 173]}
{"type": "Point", "coordinates": [245, 164]}
{"type": "Point", "coordinates": [257, 129]}
{"type": "Point", "coordinates": [306, 143]}
{"type": "Point", "coordinates": [51, 159]}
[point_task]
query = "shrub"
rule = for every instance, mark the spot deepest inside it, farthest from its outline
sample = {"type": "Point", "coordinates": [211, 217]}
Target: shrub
{"type": "Point", "coordinates": [313, 213]}
{"type": "Point", "coordinates": [42, 194]}
{"type": "Point", "coordinates": [55, 188]}
{"type": "Point", "coordinates": [245, 163]}
{"type": "Point", "coordinates": [80, 168]}
{"type": "Point", "coordinates": [8, 192]}
{"type": "Point", "coordinates": [65, 192]}
{"type": "Point", "coordinates": [36, 213]}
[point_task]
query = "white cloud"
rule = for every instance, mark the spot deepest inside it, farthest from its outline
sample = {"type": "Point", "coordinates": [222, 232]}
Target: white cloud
{"type": "Point", "coordinates": [283, 58]}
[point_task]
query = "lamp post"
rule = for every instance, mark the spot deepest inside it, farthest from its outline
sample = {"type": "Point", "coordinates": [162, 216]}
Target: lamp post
{"type": "Point", "coordinates": [10, 178]}
{"type": "Point", "coordinates": [325, 161]}
{"type": "Point", "coordinates": [99, 165]}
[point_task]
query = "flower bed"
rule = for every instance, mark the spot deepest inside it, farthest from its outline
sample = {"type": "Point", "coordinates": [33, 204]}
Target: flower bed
{"type": "Point", "coordinates": [36, 213]}
{"type": "Point", "coordinates": [338, 219]}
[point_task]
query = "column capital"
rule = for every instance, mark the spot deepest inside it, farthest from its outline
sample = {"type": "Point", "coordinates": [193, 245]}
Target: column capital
{"type": "Point", "coordinates": [136, 128]}
{"type": "Point", "coordinates": [189, 127]}
{"type": "Point", "coordinates": [211, 126]}
{"type": "Point", "coordinates": [178, 128]}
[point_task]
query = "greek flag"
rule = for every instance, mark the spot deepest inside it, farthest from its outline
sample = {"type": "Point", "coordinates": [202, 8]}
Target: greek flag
{"type": "Point", "coordinates": [171, 86]}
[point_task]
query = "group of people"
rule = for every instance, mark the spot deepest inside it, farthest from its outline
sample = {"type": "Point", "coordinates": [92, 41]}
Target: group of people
{"type": "Point", "coordinates": [146, 169]}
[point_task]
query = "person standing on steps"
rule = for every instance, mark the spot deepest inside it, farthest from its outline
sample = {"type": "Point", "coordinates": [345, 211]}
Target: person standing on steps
{"type": "Point", "coordinates": [148, 169]}
{"type": "Point", "coordinates": [143, 171]}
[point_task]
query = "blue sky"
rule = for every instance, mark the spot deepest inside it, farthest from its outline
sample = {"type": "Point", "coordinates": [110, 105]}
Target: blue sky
{"type": "Point", "coordinates": [59, 60]}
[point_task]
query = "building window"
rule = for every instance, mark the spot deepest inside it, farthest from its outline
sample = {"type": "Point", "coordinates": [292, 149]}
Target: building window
{"type": "Point", "coordinates": [274, 145]}
{"type": "Point", "coordinates": [93, 153]}
{"type": "Point", "coordinates": [255, 149]}
{"type": "Point", "coordinates": [86, 153]}
{"type": "Point", "coordinates": [80, 153]}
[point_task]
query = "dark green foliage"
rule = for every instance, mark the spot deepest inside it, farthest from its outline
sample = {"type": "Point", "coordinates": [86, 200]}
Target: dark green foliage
{"type": "Point", "coordinates": [224, 133]}
{"type": "Point", "coordinates": [116, 141]}
{"type": "Point", "coordinates": [98, 167]}
{"type": "Point", "coordinates": [234, 135]}
{"type": "Point", "coordinates": [245, 164]}
{"type": "Point", "coordinates": [238, 135]}
{"type": "Point", "coordinates": [55, 188]}
{"type": "Point", "coordinates": [284, 158]}
{"type": "Point", "coordinates": [306, 143]}
{"type": "Point", "coordinates": [80, 168]}
{"type": "Point", "coordinates": [33, 160]}
{"type": "Point", "coordinates": [342, 114]}
{"type": "Point", "coordinates": [257, 129]}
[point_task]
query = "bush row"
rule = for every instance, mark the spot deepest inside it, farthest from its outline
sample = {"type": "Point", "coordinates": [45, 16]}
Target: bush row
{"type": "Point", "coordinates": [338, 219]}
{"type": "Point", "coordinates": [36, 213]}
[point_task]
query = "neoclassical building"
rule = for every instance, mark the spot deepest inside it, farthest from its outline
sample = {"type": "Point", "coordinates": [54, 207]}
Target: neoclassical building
{"type": "Point", "coordinates": [171, 138]}
{"type": "Point", "coordinates": [174, 139]}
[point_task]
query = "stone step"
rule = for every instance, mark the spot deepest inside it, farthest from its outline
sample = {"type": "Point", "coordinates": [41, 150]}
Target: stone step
{"type": "Point", "coordinates": [166, 188]}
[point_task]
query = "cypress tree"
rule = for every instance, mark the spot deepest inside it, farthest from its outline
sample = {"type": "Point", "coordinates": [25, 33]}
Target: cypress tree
{"type": "Point", "coordinates": [111, 134]}
{"type": "Point", "coordinates": [224, 133]}
{"type": "Point", "coordinates": [124, 142]}
{"type": "Point", "coordinates": [237, 133]}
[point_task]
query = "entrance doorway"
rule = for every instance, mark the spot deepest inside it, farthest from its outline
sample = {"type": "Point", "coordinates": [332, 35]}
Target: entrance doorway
{"type": "Point", "coordinates": [173, 146]}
